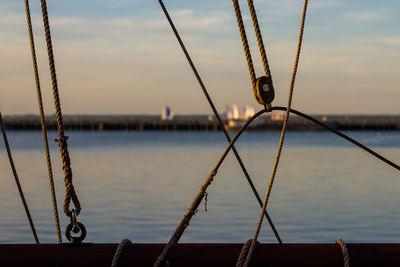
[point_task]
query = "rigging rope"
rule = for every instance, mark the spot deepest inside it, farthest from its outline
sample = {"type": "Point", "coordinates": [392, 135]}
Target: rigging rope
{"type": "Point", "coordinates": [184, 223]}
{"type": "Point", "coordinates": [204, 89]}
{"type": "Point", "coordinates": [345, 253]}
{"type": "Point", "coordinates": [21, 193]}
{"type": "Point", "coordinates": [62, 139]}
{"type": "Point", "coordinates": [246, 47]}
{"type": "Point", "coordinates": [43, 121]}
{"type": "Point", "coordinates": [118, 251]}
{"type": "Point", "coordinates": [284, 127]}
{"type": "Point", "coordinates": [263, 88]}
{"type": "Point", "coordinates": [243, 253]}
{"type": "Point", "coordinates": [259, 38]}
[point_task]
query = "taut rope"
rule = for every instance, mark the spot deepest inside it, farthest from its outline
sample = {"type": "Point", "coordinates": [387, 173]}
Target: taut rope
{"type": "Point", "coordinates": [21, 193]}
{"type": "Point", "coordinates": [62, 139]}
{"type": "Point", "coordinates": [284, 127]}
{"type": "Point", "coordinates": [43, 122]}
{"type": "Point", "coordinates": [70, 193]}
{"type": "Point", "coordinates": [204, 89]}
{"type": "Point", "coordinates": [263, 88]}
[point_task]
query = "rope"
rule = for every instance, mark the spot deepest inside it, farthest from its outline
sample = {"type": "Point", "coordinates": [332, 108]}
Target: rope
{"type": "Point", "coordinates": [345, 253]}
{"type": "Point", "coordinates": [43, 122]}
{"type": "Point", "coordinates": [62, 139]}
{"type": "Point", "coordinates": [243, 253]}
{"type": "Point", "coordinates": [21, 193]}
{"type": "Point", "coordinates": [351, 140]}
{"type": "Point", "coordinates": [119, 251]}
{"type": "Point", "coordinates": [284, 127]}
{"type": "Point", "coordinates": [246, 48]}
{"type": "Point", "coordinates": [200, 195]}
{"type": "Point", "coordinates": [204, 89]}
{"type": "Point", "coordinates": [259, 38]}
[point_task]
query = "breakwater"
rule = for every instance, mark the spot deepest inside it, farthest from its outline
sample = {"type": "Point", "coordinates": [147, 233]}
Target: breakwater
{"type": "Point", "coordinates": [198, 123]}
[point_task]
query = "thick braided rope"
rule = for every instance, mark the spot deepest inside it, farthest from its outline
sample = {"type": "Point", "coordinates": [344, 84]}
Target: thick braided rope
{"type": "Point", "coordinates": [118, 251]}
{"type": "Point", "coordinates": [245, 44]}
{"type": "Point", "coordinates": [43, 122]}
{"type": "Point", "coordinates": [284, 127]}
{"type": "Point", "coordinates": [345, 253]}
{"type": "Point", "coordinates": [21, 193]}
{"type": "Point", "coordinates": [243, 253]}
{"type": "Point", "coordinates": [70, 191]}
{"type": "Point", "coordinates": [259, 38]}
{"type": "Point", "coordinates": [204, 89]}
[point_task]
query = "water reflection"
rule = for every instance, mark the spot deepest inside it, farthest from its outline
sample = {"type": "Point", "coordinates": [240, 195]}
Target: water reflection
{"type": "Point", "coordinates": [138, 186]}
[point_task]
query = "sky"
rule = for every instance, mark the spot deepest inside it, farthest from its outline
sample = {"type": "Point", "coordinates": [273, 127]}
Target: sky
{"type": "Point", "coordinates": [121, 57]}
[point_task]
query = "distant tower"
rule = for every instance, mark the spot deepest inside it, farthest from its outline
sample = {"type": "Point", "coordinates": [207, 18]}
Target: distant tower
{"type": "Point", "coordinates": [235, 112]}
{"type": "Point", "coordinates": [166, 113]}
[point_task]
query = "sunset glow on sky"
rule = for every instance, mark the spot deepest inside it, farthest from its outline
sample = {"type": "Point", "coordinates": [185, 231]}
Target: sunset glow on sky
{"type": "Point", "coordinates": [121, 57]}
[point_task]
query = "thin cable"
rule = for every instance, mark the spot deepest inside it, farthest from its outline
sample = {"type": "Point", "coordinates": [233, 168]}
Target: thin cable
{"type": "Point", "coordinates": [284, 127]}
{"type": "Point", "coordinates": [200, 81]}
{"type": "Point", "coordinates": [62, 139]}
{"type": "Point", "coordinates": [43, 122]}
{"type": "Point", "coordinates": [259, 38]}
{"type": "Point", "coordinates": [21, 193]}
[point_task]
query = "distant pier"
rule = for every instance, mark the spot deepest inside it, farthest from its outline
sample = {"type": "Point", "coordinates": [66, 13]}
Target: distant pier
{"type": "Point", "coordinates": [197, 123]}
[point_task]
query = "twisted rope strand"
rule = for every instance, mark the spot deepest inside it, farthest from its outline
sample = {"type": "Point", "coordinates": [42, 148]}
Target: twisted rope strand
{"type": "Point", "coordinates": [200, 195]}
{"type": "Point", "coordinates": [259, 38]}
{"type": "Point", "coordinates": [243, 253]}
{"type": "Point", "coordinates": [245, 43]}
{"type": "Point", "coordinates": [43, 121]}
{"type": "Point", "coordinates": [343, 247]}
{"type": "Point", "coordinates": [118, 251]}
{"type": "Point", "coordinates": [284, 127]}
{"type": "Point", "coordinates": [62, 140]}
{"type": "Point", "coordinates": [21, 193]}
{"type": "Point", "coordinates": [217, 116]}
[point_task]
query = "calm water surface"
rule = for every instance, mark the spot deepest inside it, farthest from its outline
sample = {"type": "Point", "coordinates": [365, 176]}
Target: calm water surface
{"type": "Point", "coordinates": [138, 185]}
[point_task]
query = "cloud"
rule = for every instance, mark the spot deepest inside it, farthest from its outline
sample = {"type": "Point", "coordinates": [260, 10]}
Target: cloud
{"type": "Point", "coordinates": [395, 40]}
{"type": "Point", "coordinates": [370, 15]}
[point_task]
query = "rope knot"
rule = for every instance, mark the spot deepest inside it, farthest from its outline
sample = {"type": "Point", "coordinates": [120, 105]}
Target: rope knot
{"type": "Point", "coordinates": [61, 139]}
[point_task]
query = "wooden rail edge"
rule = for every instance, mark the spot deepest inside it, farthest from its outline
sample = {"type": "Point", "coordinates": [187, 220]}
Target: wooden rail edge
{"type": "Point", "coordinates": [90, 254]}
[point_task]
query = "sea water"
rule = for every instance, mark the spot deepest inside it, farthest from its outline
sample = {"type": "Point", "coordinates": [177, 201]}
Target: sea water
{"type": "Point", "coordinates": [138, 185]}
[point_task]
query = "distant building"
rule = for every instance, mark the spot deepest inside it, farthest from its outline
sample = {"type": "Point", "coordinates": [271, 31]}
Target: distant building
{"type": "Point", "coordinates": [248, 112]}
{"type": "Point", "coordinates": [233, 113]}
{"type": "Point", "coordinates": [277, 116]}
{"type": "Point", "coordinates": [166, 113]}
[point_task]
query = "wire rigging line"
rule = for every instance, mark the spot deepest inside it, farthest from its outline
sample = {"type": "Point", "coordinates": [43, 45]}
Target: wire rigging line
{"type": "Point", "coordinates": [21, 193]}
{"type": "Point", "coordinates": [200, 81]}
{"type": "Point", "coordinates": [62, 139]}
{"type": "Point", "coordinates": [284, 127]}
{"type": "Point", "coordinates": [43, 121]}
